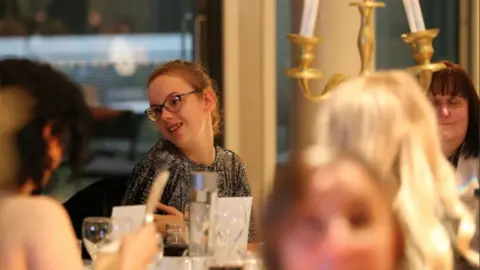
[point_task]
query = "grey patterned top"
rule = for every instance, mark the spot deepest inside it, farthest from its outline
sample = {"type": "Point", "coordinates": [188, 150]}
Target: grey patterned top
{"type": "Point", "coordinates": [164, 155]}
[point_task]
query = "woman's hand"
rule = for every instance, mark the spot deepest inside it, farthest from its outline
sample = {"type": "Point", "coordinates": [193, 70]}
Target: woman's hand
{"type": "Point", "coordinates": [173, 215]}
{"type": "Point", "coordinates": [139, 248]}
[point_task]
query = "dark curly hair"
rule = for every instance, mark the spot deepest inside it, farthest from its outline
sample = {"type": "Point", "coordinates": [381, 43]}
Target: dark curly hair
{"type": "Point", "coordinates": [59, 102]}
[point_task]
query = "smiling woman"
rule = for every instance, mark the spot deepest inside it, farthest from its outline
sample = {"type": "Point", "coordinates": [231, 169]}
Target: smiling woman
{"type": "Point", "coordinates": [184, 107]}
{"type": "Point", "coordinates": [457, 104]}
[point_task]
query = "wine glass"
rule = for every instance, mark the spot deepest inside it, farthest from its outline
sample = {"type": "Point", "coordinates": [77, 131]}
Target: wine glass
{"type": "Point", "coordinates": [231, 221]}
{"type": "Point", "coordinates": [94, 233]}
{"type": "Point", "coordinates": [186, 214]}
{"type": "Point", "coordinates": [120, 226]}
{"type": "Point", "coordinates": [186, 222]}
{"type": "Point", "coordinates": [157, 262]}
{"type": "Point", "coordinates": [252, 261]}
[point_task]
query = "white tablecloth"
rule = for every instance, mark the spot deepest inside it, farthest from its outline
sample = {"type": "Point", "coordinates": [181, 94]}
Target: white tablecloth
{"type": "Point", "coordinates": [166, 263]}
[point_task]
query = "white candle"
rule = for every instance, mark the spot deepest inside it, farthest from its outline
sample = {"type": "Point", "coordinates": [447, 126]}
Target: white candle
{"type": "Point", "coordinates": [309, 17]}
{"type": "Point", "coordinates": [417, 10]}
{"type": "Point", "coordinates": [407, 4]}
{"type": "Point", "coordinates": [306, 7]}
{"type": "Point", "coordinates": [312, 18]}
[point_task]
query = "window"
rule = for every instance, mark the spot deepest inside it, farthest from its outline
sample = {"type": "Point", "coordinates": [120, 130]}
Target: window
{"type": "Point", "coordinates": [109, 47]}
{"type": "Point", "coordinates": [284, 83]}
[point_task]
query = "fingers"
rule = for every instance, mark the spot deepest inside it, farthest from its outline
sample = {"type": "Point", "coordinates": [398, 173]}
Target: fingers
{"type": "Point", "coordinates": [142, 234]}
{"type": "Point", "coordinates": [161, 221]}
{"type": "Point", "coordinates": [149, 229]}
{"type": "Point", "coordinates": [168, 209]}
{"type": "Point", "coordinates": [138, 248]}
{"type": "Point", "coordinates": [143, 230]}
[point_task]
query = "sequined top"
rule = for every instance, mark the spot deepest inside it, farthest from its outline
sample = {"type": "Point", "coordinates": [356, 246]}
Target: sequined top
{"type": "Point", "coordinates": [164, 155]}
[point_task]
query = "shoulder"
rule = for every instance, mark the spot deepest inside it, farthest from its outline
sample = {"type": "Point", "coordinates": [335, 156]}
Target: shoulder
{"type": "Point", "coordinates": [229, 155]}
{"type": "Point", "coordinates": [162, 150]}
{"type": "Point", "coordinates": [468, 168]}
{"type": "Point", "coordinates": [41, 227]}
{"type": "Point", "coordinates": [157, 149]}
{"type": "Point", "coordinates": [162, 156]}
{"type": "Point", "coordinates": [38, 210]}
{"type": "Point", "coordinates": [233, 163]}
{"type": "Point", "coordinates": [34, 204]}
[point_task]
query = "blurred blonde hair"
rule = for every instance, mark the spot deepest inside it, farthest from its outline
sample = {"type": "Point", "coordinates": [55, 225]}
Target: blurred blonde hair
{"type": "Point", "coordinates": [15, 111]}
{"type": "Point", "coordinates": [387, 118]}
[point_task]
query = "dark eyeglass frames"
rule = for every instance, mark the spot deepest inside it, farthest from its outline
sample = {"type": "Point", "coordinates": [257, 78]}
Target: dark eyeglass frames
{"type": "Point", "coordinates": [173, 104]}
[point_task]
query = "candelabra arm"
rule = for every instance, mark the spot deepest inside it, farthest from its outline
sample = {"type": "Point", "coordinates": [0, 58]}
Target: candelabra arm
{"type": "Point", "coordinates": [422, 46]}
{"type": "Point", "coordinates": [307, 93]}
{"type": "Point", "coordinates": [333, 82]}
{"type": "Point", "coordinates": [303, 72]}
{"type": "Point", "coordinates": [366, 46]}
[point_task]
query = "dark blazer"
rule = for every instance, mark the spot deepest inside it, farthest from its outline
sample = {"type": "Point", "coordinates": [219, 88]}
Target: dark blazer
{"type": "Point", "coordinates": [96, 200]}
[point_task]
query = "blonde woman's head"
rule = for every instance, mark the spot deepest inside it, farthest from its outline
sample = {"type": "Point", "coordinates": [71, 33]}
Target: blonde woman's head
{"type": "Point", "coordinates": [332, 210]}
{"type": "Point", "coordinates": [387, 118]}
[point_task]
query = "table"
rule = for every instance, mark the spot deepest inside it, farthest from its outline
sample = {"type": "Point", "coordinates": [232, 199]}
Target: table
{"type": "Point", "coordinates": [166, 263]}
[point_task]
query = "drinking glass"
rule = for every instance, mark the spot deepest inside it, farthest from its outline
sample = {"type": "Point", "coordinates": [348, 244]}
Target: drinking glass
{"type": "Point", "coordinates": [175, 234]}
{"type": "Point", "coordinates": [231, 223]}
{"type": "Point", "coordinates": [157, 261]}
{"type": "Point", "coordinates": [97, 232]}
{"type": "Point", "coordinates": [251, 261]}
{"type": "Point", "coordinates": [94, 233]}
{"type": "Point", "coordinates": [186, 222]}
{"type": "Point", "coordinates": [175, 243]}
{"type": "Point", "coordinates": [120, 226]}
{"type": "Point", "coordinates": [176, 263]}
{"type": "Point", "coordinates": [186, 214]}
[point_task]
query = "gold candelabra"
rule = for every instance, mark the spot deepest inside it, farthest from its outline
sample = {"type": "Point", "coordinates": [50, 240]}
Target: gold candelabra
{"type": "Point", "coordinates": [421, 43]}
{"type": "Point", "coordinates": [303, 73]}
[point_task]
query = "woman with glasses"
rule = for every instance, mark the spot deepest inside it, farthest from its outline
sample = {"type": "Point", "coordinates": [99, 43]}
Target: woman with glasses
{"type": "Point", "coordinates": [457, 104]}
{"type": "Point", "coordinates": [184, 107]}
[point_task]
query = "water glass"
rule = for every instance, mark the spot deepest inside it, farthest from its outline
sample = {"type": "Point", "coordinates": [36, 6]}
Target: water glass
{"type": "Point", "coordinates": [231, 224]}
{"type": "Point", "coordinates": [95, 231]}
{"type": "Point", "coordinates": [252, 261]}
{"type": "Point", "coordinates": [98, 232]}
{"type": "Point", "coordinates": [175, 234]}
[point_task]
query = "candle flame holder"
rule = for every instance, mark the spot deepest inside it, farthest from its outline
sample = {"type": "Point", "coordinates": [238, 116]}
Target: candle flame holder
{"type": "Point", "coordinates": [422, 46]}
{"type": "Point", "coordinates": [366, 48]}
{"type": "Point", "coordinates": [303, 72]}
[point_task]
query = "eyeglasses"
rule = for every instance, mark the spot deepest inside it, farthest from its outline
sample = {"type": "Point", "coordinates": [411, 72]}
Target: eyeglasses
{"type": "Point", "coordinates": [450, 103]}
{"type": "Point", "coordinates": [173, 104]}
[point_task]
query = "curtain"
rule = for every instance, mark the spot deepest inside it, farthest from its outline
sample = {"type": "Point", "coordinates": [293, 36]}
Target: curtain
{"type": "Point", "coordinates": [391, 22]}
{"type": "Point", "coordinates": [443, 14]}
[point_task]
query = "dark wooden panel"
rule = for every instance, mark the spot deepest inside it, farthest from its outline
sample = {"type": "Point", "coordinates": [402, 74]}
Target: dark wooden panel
{"type": "Point", "coordinates": [211, 45]}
